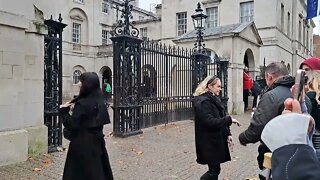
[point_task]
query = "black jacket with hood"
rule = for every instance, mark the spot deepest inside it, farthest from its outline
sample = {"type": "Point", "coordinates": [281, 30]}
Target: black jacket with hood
{"type": "Point", "coordinates": [270, 106]}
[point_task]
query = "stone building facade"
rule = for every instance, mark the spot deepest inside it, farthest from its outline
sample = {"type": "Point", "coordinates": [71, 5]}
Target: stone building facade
{"type": "Point", "coordinates": [245, 32]}
{"type": "Point", "coordinates": [316, 45]}
{"type": "Point", "coordinates": [278, 31]}
{"type": "Point", "coordinates": [22, 30]}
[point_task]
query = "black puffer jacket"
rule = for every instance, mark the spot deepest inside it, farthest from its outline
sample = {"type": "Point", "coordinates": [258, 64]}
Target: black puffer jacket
{"type": "Point", "coordinates": [270, 106]}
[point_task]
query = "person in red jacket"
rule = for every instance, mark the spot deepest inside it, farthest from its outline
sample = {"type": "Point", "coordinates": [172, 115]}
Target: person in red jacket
{"type": "Point", "coordinates": [247, 85]}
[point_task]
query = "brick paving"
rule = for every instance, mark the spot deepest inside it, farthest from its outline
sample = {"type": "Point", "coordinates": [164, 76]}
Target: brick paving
{"type": "Point", "coordinates": [162, 152]}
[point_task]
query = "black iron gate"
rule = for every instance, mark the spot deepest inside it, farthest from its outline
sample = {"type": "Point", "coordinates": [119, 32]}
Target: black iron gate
{"type": "Point", "coordinates": [154, 83]}
{"type": "Point", "coordinates": [53, 82]}
{"type": "Point", "coordinates": [170, 76]}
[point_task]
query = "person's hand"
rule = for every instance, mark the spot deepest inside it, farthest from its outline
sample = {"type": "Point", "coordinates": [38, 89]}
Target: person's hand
{"type": "Point", "coordinates": [67, 104]}
{"type": "Point", "coordinates": [293, 106]}
{"type": "Point", "coordinates": [230, 143]}
{"type": "Point", "coordinates": [234, 121]}
{"type": "Point", "coordinates": [230, 140]}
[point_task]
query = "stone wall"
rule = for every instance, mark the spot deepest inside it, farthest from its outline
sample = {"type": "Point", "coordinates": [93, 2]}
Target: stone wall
{"type": "Point", "coordinates": [22, 128]}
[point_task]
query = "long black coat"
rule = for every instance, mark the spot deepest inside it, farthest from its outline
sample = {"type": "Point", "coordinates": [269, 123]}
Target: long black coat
{"type": "Point", "coordinates": [211, 130]}
{"type": "Point", "coordinates": [87, 156]}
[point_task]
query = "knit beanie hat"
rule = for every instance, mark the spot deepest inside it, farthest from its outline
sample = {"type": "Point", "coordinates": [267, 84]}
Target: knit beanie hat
{"type": "Point", "coordinates": [313, 63]}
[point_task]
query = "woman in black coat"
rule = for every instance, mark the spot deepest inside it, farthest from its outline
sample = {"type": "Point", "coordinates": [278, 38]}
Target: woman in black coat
{"type": "Point", "coordinates": [212, 133]}
{"type": "Point", "coordinates": [87, 156]}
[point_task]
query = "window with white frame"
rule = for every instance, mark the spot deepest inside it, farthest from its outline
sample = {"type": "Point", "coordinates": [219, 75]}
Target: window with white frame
{"type": "Point", "coordinates": [299, 36]}
{"type": "Point", "coordinates": [105, 6]}
{"type": "Point", "coordinates": [143, 33]}
{"type": "Point", "coordinates": [212, 20]}
{"type": "Point", "coordinates": [282, 17]}
{"type": "Point", "coordinates": [288, 25]}
{"type": "Point", "coordinates": [76, 76]}
{"type": "Point", "coordinates": [79, 1]}
{"type": "Point", "coordinates": [105, 35]}
{"type": "Point", "coordinates": [246, 11]}
{"type": "Point", "coordinates": [76, 33]}
{"type": "Point", "coordinates": [307, 40]}
{"type": "Point", "coordinates": [181, 23]}
{"type": "Point", "coordinates": [304, 35]}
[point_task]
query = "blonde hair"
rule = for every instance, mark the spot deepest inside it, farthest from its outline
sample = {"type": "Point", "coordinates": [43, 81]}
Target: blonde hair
{"type": "Point", "coordinates": [203, 86]}
{"type": "Point", "coordinates": [314, 82]}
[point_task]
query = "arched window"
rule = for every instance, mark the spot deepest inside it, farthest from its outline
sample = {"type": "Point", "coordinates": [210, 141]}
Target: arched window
{"type": "Point", "coordinates": [76, 76]}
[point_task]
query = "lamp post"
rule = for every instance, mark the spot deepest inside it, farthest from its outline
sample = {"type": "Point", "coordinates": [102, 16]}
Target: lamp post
{"type": "Point", "coordinates": [199, 19]}
{"type": "Point", "coordinates": [200, 58]}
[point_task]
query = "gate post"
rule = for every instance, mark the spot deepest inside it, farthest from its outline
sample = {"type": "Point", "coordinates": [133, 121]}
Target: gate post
{"type": "Point", "coordinates": [53, 81]}
{"type": "Point", "coordinates": [223, 65]}
{"type": "Point", "coordinates": [127, 116]}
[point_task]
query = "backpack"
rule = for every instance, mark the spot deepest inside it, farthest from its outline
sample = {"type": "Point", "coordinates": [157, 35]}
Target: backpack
{"type": "Point", "coordinates": [108, 88]}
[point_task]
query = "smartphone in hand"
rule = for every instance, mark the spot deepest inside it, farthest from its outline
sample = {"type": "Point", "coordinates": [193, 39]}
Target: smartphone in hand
{"type": "Point", "coordinates": [299, 84]}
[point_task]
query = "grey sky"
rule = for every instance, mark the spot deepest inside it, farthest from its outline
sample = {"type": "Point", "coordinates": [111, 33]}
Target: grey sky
{"type": "Point", "coordinates": [145, 4]}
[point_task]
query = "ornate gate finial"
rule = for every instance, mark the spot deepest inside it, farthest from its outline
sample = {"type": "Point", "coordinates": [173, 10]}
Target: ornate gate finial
{"type": "Point", "coordinates": [125, 27]}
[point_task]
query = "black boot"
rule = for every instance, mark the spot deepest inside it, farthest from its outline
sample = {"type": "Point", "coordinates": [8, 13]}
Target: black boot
{"type": "Point", "coordinates": [209, 176]}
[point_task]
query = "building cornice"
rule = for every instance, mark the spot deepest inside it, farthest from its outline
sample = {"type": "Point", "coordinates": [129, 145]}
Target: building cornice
{"type": "Point", "coordinates": [144, 21]}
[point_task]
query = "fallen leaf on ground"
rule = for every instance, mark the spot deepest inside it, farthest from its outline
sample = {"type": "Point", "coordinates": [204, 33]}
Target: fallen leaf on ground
{"type": "Point", "coordinates": [167, 126]}
{"type": "Point", "coordinates": [110, 134]}
{"type": "Point", "coordinates": [36, 169]}
{"type": "Point", "coordinates": [140, 152]}
{"type": "Point", "coordinates": [47, 161]}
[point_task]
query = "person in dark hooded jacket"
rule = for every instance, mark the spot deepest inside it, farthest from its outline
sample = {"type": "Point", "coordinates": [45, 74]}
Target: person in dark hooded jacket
{"type": "Point", "coordinates": [212, 133]}
{"type": "Point", "coordinates": [87, 156]}
{"type": "Point", "coordinates": [270, 105]}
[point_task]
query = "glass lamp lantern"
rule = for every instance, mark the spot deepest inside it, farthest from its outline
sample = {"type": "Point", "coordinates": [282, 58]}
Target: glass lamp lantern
{"type": "Point", "coordinates": [199, 18]}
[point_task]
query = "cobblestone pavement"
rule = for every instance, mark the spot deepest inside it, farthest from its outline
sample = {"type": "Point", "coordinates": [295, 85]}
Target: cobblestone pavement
{"type": "Point", "coordinates": [162, 152]}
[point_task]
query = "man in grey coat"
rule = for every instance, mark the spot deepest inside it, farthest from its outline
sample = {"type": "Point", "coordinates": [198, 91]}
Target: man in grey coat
{"type": "Point", "coordinates": [270, 105]}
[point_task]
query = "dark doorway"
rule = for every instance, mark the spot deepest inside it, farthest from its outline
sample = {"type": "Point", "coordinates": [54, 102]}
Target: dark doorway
{"type": "Point", "coordinates": [106, 75]}
{"type": "Point", "coordinates": [106, 79]}
{"type": "Point", "coordinates": [149, 81]}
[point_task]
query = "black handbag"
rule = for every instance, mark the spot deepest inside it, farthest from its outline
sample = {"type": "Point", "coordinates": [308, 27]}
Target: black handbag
{"type": "Point", "coordinates": [67, 133]}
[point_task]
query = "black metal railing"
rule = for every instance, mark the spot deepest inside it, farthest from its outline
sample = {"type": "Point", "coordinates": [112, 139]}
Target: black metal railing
{"type": "Point", "coordinates": [170, 75]}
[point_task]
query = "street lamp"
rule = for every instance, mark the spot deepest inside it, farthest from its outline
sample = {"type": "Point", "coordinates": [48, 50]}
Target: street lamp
{"type": "Point", "coordinates": [199, 19]}
{"type": "Point", "coordinates": [200, 58]}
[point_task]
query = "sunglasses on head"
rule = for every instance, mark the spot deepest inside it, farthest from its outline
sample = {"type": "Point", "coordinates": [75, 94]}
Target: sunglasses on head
{"type": "Point", "coordinates": [211, 80]}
